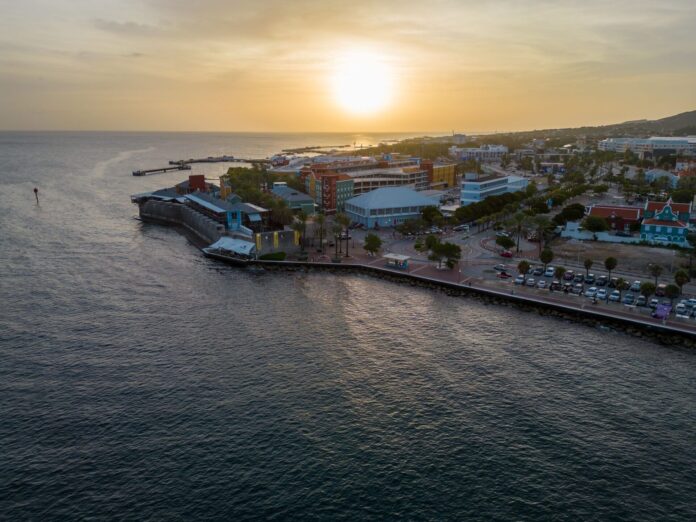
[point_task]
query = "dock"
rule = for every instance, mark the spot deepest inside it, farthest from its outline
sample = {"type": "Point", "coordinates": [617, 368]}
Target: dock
{"type": "Point", "coordinates": [217, 159]}
{"type": "Point", "coordinates": [146, 172]}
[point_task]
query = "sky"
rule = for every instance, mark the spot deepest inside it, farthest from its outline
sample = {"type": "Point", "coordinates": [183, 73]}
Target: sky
{"type": "Point", "coordinates": [343, 66]}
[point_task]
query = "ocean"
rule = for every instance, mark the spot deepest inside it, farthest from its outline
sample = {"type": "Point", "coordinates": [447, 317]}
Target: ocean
{"type": "Point", "coordinates": [142, 381]}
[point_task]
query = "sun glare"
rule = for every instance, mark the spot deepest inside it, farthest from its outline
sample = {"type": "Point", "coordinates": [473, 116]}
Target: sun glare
{"type": "Point", "coordinates": [362, 83]}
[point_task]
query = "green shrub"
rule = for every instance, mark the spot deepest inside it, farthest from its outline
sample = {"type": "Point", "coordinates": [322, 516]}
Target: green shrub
{"type": "Point", "coordinates": [274, 256]}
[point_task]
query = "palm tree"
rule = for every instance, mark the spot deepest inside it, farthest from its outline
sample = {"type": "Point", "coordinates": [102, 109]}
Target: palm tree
{"type": "Point", "coordinates": [337, 229]}
{"type": "Point", "coordinates": [647, 289]}
{"type": "Point", "coordinates": [541, 225]}
{"type": "Point", "coordinates": [519, 221]}
{"type": "Point", "coordinates": [558, 272]}
{"type": "Point", "coordinates": [620, 285]}
{"type": "Point", "coordinates": [588, 264]}
{"type": "Point", "coordinates": [320, 219]}
{"type": "Point", "coordinates": [523, 268]}
{"type": "Point", "coordinates": [681, 277]}
{"type": "Point", "coordinates": [655, 271]}
{"type": "Point", "coordinates": [610, 264]}
{"type": "Point", "coordinates": [344, 221]}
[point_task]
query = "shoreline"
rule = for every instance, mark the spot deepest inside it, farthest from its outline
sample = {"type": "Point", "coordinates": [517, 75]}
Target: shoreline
{"type": "Point", "coordinates": [663, 333]}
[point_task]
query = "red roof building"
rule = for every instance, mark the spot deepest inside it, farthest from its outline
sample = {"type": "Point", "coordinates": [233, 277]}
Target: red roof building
{"type": "Point", "coordinates": [619, 217]}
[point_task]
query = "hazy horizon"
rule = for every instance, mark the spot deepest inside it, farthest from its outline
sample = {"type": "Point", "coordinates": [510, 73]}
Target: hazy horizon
{"type": "Point", "coordinates": [391, 67]}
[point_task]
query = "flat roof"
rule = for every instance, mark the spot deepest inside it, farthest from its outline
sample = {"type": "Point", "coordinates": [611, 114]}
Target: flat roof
{"type": "Point", "coordinates": [397, 257]}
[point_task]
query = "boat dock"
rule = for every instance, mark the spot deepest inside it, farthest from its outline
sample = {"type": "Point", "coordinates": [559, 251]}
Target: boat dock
{"type": "Point", "coordinates": [145, 172]}
{"type": "Point", "coordinates": [217, 159]}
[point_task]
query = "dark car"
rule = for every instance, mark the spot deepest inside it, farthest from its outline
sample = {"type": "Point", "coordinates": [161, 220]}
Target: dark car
{"type": "Point", "coordinates": [579, 278]}
{"type": "Point", "coordinates": [538, 271]}
{"type": "Point", "coordinates": [577, 289]}
{"type": "Point", "coordinates": [555, 285]}
{"type": "Point", "coordinates": [612, 282]}
{"type": "Point", "coordinates": [641, 301]}
{"type": "Point", "coordinates": [590, 279]}
{"type": "Point", "coordinates": [629, 299]}
{"type": "Point", "coordinates": [601, 281]}
{"type": "Point", "coordinates": [568, 275]}
{"type": "Point", "coordinates": [621, 233]}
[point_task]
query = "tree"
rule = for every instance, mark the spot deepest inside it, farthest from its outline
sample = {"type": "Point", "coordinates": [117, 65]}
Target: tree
{"type": "Point", "coordinates": [372, 243]}
{"type": "Point", "coordinates": [647, 289]}
{"type": "Point", "coordinates": [546, 256]}
{"type": "Point", "coordinates": [320, 219]}
{"type": "Point", "coordinates": [558, 272]}
{"type": "Point", "coordinates": [595, 224]}
{"type": "Point", "coordinates": [431, 214]}
{"type": "Point", "coordinates": [300, 226]}
{"type": "Point", "coordinates": [282, 214]}
{"type": "Point", "coordinates": [337, 229]}
{"type": "Point", "coordinates": [344, 221]}
{"type": "Point", "coordinates": [588, 264]}
{"type": "Point", "coordinates": [621, 285]}
{"type": "Point", "coordinates": [655, 271]}
{"type": "Point", "coordinates": [542, 224]}
{"type": "Point", "coordinates": [519, 221]}
{"type": "Point", "coordinates": [672, 291]}
{"type": "Point", "coordinates": [681, 277]}
{"type": "Point", "coordinates": [610, 264]}
{"type": "Point", "coordinates": [448, 252]}
{"type": "Point", "coordinates": [523, 268]}
{"type": "Point", "coordinates": [505, 242]}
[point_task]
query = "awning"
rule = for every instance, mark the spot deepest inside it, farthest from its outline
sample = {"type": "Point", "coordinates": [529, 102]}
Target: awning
{"type": "Point", "coordinates": [396, 257]}
{"type": "Point", "coordinates": [238, 246]}
{"type": "Point", "coordinates": [254, 217]}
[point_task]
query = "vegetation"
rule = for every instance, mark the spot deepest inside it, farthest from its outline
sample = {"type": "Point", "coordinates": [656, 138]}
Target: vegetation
{"type": "Point", "coordinates": [432, 216]}
{"type": "Point", "coordinates": [439, 251]}
{"type": "Point", "coordinates": [372, 244]}
{"type": "Point", "coordinates": [273, 256]}
{"type": "Point", "coordinates": [655, 271]}
{"type": "Point", "coordinates": [647, 289]}
{"type": "Point", "coordinates": [558, 272]}
{"type": "Point", "coordinates": [504, 242]}
{"type": "Point", "coordinates": [610, 264]}
{"type": "Point", "coordinates": [320, 220]}
{"type": "Point", "coordinates": [523, 268]}
{"type": "Point", "coordinates": [595, 224]}
{"type": "Point", "coordinates": [573, 212]}
{"type": "Point", "coordinates": [672, 291]}
{"type": "Point", "coordinates": [588, 264]}
{"type": "Point", "coordinates": [546, 256]}
{"type": "Point", "coordinates": [681, 277]}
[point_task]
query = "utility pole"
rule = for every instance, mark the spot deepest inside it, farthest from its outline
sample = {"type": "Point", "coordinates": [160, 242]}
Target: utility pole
{"type": "Point", "coordinates": [36, 195]}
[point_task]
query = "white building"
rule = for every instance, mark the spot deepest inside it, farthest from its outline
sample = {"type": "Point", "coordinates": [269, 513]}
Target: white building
{"type": "Point", "coordinates": [477, 188]}
{"type": "Point", "coordinates": [686, 145]}
{"type": "Point", "coordinates": [483, 153]}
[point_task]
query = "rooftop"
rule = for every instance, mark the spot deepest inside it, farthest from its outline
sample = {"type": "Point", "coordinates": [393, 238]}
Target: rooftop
{"type": "Point", "coordinates": [390, 197]}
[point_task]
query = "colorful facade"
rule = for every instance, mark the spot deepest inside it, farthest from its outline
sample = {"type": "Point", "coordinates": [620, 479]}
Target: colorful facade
{"type": "Point", "coordinates": [666, 223]}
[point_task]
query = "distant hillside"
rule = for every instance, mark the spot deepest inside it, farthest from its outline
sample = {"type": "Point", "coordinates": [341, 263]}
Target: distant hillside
{"type": "Point", "coordinates": [678, 125]}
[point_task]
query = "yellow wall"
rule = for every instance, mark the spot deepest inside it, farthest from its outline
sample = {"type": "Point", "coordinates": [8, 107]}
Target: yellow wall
{"type": "Point", "coordinates": [444, 174]}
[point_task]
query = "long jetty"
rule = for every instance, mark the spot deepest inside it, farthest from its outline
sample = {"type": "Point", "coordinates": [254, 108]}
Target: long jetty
{"type": "Point", "coordinates": [217, 159]}
{"type": "Point", "coordinates": [146, 172]}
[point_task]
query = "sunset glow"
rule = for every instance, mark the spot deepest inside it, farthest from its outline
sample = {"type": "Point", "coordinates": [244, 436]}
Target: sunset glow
{"type": "Point", "coordinates": [362, 83]}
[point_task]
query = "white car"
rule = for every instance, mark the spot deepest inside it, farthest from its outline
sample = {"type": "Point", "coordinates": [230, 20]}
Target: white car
{"type": "Point", "coordinates": [615, 296]}
{"type": "Point", "coordinates": [601, 294]}
{"type": "Point", "coordinates": [591, 292]}
{"type": "Point", "coordinates": [531, 282]}
{"type": "Point", "coordinates": [541, 284]}
{"type": "Point", "coordinates": [519, 280]}
{"type": "Point", "coordinates": [550, 271]}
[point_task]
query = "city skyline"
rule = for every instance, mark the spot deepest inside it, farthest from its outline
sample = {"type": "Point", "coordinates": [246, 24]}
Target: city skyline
{"type": "Point", "coordinates": [302, 67]}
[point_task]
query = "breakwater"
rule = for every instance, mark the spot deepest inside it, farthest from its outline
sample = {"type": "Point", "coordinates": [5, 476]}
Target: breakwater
{"type": "Point", "coordinates": [202, 226]}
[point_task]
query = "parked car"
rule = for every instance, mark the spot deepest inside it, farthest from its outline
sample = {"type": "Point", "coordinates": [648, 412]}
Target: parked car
{"type": "Point", "coordinates": [629, 298]}
{"type": "Point", "coordinates": [615, 296]}
{"type": "Point", "coordinates": [461, 228]}
{"type": "Point", "coordinates": [502, 233]}
{"type": "Point", "coordinates": [602, 280]}
{"type": "Point", "coordinates": [590, 279]}
{"type": "Point", "coordinates": [541, 284]}
{"type": "Point", "coordinates": [621, 233]}
{"type": "Point", "coordinates": [641, 300]}
{"type": "Point", "coordinates": [568, 275]}
{"type": "Point", "coordinates": [579, 278]}
{"type": "Point", "coordinates": [577, 288]}
{"type": "Point", "coordinates": [635, 286]}
{"type": "Point", "coordinates": [681, 310]}
{"type": "Point", "coordinates": [691, 303]}
{"type": "Point", "coordinates": [550, 271]}
{"type": "Point", "coordinates": [519, 280]}
{"type": "Point", "coordinates": [591, 292]}
{"type": "Point", "coordinates": [500, 267]}
{"type": "Point", "coordinates": [506, 253]}
{"type": "Point", "coordinates": [503, 275]}
{"type": "Point", "coordinates": [538, 271]}
{"type": "Point", "coordinates": [531, 281]}
{"type": "Point", "coordinates": [556, 285]}
{"type": "Point", "coordinates": [653, 303]}
{"type": "Point", "coordinates": [602, 294]}
{"type": "Point", "coordinates": [612, 282]}
{"type": "Point", "coordinates": [660, 290]}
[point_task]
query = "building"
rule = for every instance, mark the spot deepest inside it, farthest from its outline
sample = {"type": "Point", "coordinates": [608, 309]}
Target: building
{"type": "Point", "coordinates": [666, 223]}
{"type": "Point", "coordinates": [296, 201]}
{"type": "Point", "coordinates": [441, 174]}
{"type": "Point", "coordinates": [484, 153]}
{"type": "Point", "coordinates": [476, 188]}
{"type": "Point", "coordinates": [195, 182]}
{"type": "Point", "coordinates": [387, 206]}
{"type": "Point", "coordinates": [654, 146]}
{"type": "Point", "coordinates": [619, 217]}
{"type": "Point", "coordinates": [242, 217]}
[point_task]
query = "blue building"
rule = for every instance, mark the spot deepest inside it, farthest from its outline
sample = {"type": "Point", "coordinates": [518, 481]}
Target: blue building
{"type": "Point", "coordinates": [387, 206]}
{"type": "Point", "coordinates": [297, 201]}
{"type": "Point", "coordinates": [477, 188]}
{"type": "Point", "coordinates": [243, 217]}
{"type": "Point", "coordinates": [666, 223]}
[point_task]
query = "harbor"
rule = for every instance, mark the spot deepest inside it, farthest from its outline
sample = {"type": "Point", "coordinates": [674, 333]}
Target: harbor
{"type": "Point", "coordinates": [160, 170]}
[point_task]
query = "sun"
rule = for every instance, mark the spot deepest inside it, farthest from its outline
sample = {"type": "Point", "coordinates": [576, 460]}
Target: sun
{"type": "Point", "coordinates": [362, 83]}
